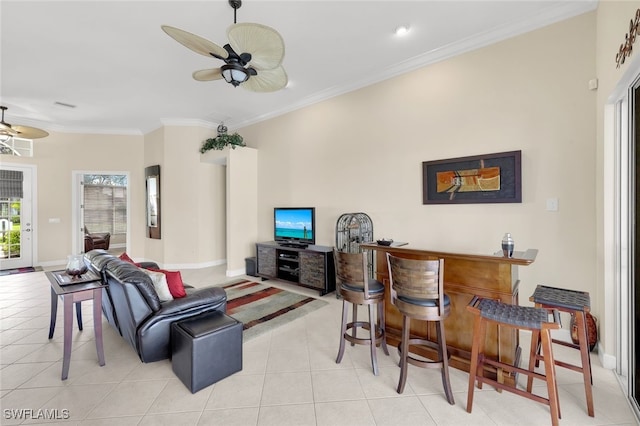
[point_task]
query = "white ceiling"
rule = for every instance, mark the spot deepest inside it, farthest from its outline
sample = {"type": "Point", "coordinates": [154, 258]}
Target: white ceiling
{"type": "Point", "coordinates": [126, 76]}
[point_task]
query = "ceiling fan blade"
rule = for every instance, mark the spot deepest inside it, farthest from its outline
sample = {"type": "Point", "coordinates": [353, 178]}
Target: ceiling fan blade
{"type": "Point", "coordinates": [263, 43]}
{"type": "Point", "coordinates": [267, 80]}
{"type": "Point", "coordinates": [196, 43]}
{"type": "Point", "coordinates": [208, 75]}
{"type": "Point", "coordinates": [29, 132]}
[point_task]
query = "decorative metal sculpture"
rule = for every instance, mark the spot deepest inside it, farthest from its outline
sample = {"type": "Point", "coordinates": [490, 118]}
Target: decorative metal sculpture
{"type": "Point", "coordinates": [627, 47]}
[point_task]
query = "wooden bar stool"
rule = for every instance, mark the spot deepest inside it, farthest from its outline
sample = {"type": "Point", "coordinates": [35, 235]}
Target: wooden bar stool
{"type": "Point", "coordinates": [520, 317]}
{"type": "Point", "coordinates": [417, 290]}
{"type": "Point", "coordinates": [356, 288]}
{"type": "Point", "coordinates": [577, 303]}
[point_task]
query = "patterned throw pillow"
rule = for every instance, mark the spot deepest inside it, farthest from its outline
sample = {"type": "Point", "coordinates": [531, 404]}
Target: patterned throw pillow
{"type": "Point", "coordinates": [160, 284]}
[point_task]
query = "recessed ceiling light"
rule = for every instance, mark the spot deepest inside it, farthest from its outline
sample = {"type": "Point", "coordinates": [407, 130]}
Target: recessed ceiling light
{"type": "Point", "coordinates": [402, 30]}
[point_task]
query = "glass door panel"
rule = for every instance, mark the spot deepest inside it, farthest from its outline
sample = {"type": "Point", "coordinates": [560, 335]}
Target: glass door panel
{"type": "Point", "coordinates": [10, 228]}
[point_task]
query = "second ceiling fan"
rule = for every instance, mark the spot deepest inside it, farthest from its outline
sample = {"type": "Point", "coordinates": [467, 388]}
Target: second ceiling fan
{"type": "Point", "coordinates": [253, 57]}
{"type": "Point", "coordinates": [8, 130]}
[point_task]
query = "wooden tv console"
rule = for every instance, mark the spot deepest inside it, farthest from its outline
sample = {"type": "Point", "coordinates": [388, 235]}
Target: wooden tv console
{"type": "Point", "coordinates": [310, 266]}
{"type": "Point", "coordinates": [465, 276]}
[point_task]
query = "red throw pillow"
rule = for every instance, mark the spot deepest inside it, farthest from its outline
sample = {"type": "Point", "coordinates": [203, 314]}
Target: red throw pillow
{"type": "Point", "coordinates": [124, 256]}
{"type": "Point", "coordinates": [174, 279]}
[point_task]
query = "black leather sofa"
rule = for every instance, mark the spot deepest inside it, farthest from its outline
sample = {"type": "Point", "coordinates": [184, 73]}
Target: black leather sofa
{"type": "Point", "coordinates": [131, 305]}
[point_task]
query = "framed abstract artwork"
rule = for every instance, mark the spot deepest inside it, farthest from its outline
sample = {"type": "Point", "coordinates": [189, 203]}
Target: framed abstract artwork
{"type": "Point", "coordinates": [489, 178]}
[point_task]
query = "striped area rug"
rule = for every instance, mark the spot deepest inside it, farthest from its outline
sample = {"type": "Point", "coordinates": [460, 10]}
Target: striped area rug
{"type": "Point", "coordinates": [262, 308]}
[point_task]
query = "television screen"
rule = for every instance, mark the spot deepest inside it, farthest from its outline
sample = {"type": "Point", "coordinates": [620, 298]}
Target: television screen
{"type": "Point", "coordinates": [294, 224]}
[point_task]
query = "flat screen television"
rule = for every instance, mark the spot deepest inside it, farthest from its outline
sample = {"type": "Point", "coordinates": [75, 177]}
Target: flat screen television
{"type": "Point", "coordinates": [294, 226]}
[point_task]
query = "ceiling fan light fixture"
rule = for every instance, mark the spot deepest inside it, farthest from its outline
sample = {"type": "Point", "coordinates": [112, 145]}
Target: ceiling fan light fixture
{"type": "Point", "coordinates": [234, 74]}
{"type": "Point", "coordinates": [254, 50]}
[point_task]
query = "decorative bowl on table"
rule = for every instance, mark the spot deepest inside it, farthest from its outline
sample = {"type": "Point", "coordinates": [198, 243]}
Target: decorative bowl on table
{"type": "Point", "coordinates": [76, 266]}
{"type": "Point", "coordinates": [384, 242]}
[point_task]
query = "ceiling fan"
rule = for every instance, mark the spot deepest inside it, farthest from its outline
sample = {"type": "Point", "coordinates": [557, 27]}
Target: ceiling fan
{"type": "Point", "coordinates": [253, 56]}
{"type": "Point", "coordinates": [8, 131]}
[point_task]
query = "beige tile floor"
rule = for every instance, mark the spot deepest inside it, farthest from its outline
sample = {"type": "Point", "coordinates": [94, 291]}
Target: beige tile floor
{"type": "Point", "coordinates": [289, 378]}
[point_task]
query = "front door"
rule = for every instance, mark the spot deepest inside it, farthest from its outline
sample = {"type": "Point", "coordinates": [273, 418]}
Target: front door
{"type": "Point", "coordinates": [16, 229]}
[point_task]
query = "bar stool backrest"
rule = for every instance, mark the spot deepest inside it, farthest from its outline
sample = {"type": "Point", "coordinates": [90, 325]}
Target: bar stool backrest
{"type": "Point", "coordinates": [416, 279]}
{"type": "Point", "coordinates": [351, 268]}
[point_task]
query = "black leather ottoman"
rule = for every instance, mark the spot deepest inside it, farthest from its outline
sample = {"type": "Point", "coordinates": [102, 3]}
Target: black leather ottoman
{"type": "Point", "coordinates": [206, 349]}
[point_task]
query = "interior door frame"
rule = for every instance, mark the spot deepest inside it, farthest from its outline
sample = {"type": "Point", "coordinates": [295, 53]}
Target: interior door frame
{"type": "Point", "coordinates": [77, 228]}
{"type": "Point", "coordinates": [32, 203]}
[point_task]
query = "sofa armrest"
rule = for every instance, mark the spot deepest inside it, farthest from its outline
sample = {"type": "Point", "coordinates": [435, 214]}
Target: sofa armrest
{"type": "Point", "coordinates": [88, 244]}
{"type": "Point", "coordinates": [148, 265]}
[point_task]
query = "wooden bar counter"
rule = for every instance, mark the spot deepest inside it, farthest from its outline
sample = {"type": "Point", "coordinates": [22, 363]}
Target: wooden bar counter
{"type": "Point", "coordinates": [465, 276]}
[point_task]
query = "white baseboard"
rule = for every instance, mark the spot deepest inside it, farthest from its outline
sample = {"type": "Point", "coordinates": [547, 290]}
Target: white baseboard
{"type": "Point", "coordinates": [52, 263]}
{"type": "Point", "coordinates": [608, 361]}
{"type": "Point", "coordinates": [236, 272]}
{"type": "Point", "coordinates": [194, 265]}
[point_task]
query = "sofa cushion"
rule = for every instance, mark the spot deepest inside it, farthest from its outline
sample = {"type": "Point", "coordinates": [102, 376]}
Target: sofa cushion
{"type": "Point", "coordinates": [160, 284]}
{"type": "Point", "coordinates": [174, 279]}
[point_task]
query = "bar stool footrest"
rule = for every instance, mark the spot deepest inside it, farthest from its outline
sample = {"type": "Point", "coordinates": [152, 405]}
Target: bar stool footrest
{"type": "Point", "coordinates": [423, 362]}
{"type": "Point", "coordinates": [362, 340]}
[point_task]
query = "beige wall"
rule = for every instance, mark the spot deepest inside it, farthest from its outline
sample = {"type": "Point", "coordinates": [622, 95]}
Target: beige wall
{"type": "Point", "coordinates": [241, 173]}
{"type": "Point", "coordinates": [242, 207]}
{"type": "Point", "coordinates": [192, 193]}
{"type": "Point", "coordinates": [363, 151]}
{"type": "Point", "coordinates": [192, 199]}
{"type": "Point", "coordinates": [56, 158]}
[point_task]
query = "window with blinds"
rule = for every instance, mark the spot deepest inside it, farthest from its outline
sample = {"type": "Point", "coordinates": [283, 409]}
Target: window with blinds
{"type": "Point", "coordinates": [105, 208]}
{"type": "Point", "coordinates": [17, 146]}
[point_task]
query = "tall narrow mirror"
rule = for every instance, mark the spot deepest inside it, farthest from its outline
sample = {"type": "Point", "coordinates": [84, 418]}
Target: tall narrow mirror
{"type": "Point", "coordinates": [152, 175]}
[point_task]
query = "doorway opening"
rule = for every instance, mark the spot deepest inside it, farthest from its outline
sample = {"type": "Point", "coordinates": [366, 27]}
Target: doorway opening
{"type": "Point", "coordinates": [102, 211]}
{"type": "Point", "coordinates": [17, 216]}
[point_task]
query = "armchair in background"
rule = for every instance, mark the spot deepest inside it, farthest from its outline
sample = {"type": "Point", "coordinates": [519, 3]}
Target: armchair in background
{"type": "Point", "coordinates": [99, 240]}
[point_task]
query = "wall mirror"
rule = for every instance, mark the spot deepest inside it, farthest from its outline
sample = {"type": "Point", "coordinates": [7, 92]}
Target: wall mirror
{"type": "Point", "coordinates": [152, 176]}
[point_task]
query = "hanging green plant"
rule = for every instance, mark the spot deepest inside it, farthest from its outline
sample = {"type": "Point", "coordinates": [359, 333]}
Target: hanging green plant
{"type": "Point", "coordinates": [221, 141]}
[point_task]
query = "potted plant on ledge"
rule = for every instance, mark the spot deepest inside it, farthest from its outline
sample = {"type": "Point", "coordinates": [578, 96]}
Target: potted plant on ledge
{"type": "Point", "coordinates": [222, 140]}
